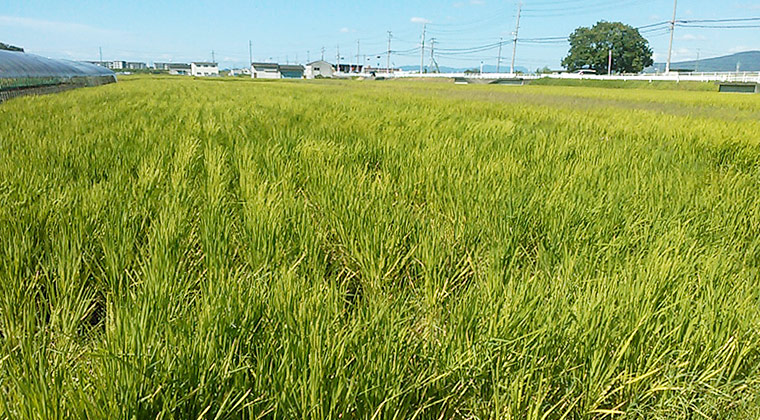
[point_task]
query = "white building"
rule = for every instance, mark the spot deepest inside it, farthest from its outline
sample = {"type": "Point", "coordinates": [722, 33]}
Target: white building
{"type": "Point", "coordinates": [240, 72]}
{"type": "Point", "coordinates": [319, 68]}
{"type": "Point", "coordinates": [265, 71]}
{"type": "Point", "coordinates": [117, 65]}
{"type": "Point", "coordinates": [136, 66]}
{"type": "Point", "coordinates": [202, 69]}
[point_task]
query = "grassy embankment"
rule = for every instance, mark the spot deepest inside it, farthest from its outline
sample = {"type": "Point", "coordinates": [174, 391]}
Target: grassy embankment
{"type": "Point", "coordinates": [184, 248]}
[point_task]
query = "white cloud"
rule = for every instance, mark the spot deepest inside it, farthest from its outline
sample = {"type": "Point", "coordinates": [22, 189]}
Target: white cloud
{"type": "Point", "coordinates": [347, 30]}
{"type": "Point", "coordinates": [419, 20]}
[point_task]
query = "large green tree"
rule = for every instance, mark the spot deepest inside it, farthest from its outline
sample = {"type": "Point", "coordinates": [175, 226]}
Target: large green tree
{"type": "Point", "coordinates": [589, 48]}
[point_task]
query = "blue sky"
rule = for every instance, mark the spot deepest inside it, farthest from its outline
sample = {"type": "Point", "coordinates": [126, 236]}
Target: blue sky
{"type": "Point", "coordinates": [297, 30]}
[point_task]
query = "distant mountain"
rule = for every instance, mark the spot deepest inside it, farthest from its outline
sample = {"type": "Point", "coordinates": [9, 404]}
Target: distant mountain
{"type": "Point", "coordinates": [744, 61]}
{"type": "Point", "coordinates": [486, 69]}
{"type": "Point", "coordinates": [10, 47]}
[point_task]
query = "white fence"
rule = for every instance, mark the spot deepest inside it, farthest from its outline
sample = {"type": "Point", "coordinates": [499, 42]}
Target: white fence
{"type": "Point", "coordinates": [743, 77]}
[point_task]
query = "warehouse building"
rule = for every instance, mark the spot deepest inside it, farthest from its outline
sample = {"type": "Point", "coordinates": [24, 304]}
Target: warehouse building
{"type": "Point", "coordinates": [276, 71]}
{"type": "Point", "coordinates": [319, 68]}
{"type": "Point", "coordinates": [291, 71]}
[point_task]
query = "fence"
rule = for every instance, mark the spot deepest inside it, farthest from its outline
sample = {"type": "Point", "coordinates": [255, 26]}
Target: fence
{"type": "Point", "coordinates": [743, 77]}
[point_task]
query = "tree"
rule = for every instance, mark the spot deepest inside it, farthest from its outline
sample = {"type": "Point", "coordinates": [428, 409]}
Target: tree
{"type": "Point", "coordinates": [589, 48]}
{"type": "Point", "coordinates": [10, 47]}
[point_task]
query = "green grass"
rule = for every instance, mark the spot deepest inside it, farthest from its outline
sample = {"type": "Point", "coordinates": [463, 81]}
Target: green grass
{"type": "Point", "coordinates": [178, 248]}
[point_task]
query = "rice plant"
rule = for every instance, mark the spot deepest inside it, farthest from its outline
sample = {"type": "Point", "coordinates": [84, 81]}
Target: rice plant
{"type": "Point", "coordinates": [178, 248]}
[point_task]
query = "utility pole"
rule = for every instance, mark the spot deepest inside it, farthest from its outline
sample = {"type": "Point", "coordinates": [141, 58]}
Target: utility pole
{"type": "Point", "coordinates": [498, 61]}
{"type": "Point", "coordinates": [323, 53]}
{"type": "Point", "coordinates": [609, 64]}
{"type": "Point", "coordinates": [308, 56]}
{"type": "Point", "coordinates": [338, 49]}
{"type": "Point", "coordinates": [672, 32]}
{"type": "Point", "coordinates": [432, 55]}
{"type": "Point", "coordinates": [422, 49]}
{"type": "Point", "coordinates": [101, 54]}
{"type": "Point", "coordinates": [213, 57]}
{"type": "Point", "coordinates": [514, 46]}
{"type": "Point", "coordinates": [388, 64]}
{"type": "Point", "coordinates": [250, 52]}
{"type": "Point", "coordinates": [697, 69]}
{"type": "Point", "coordinates": [358, 53]}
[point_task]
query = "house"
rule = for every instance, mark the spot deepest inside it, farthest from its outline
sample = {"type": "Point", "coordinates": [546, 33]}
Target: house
{"type": "Point", "coordinates": [290, 71]}
{"type": "Point", "coordinates": [319, 68]}
{"type": "Point", "coordinates": [180, 69]}
{"type": "Point", "coordinates": [265, 71]}
{"type": "Point", "coordinates": [204, 68]}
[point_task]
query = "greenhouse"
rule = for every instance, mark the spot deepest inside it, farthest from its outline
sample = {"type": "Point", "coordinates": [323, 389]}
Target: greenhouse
{"type": "Point", "coordinates": [25, 74]}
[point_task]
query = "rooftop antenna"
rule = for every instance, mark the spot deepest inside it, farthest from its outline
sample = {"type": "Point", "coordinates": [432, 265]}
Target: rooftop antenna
{"type": "Point", "coordinates": [250, 51]}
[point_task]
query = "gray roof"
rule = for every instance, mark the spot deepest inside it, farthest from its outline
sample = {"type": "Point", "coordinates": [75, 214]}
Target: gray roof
{"type": "Point", "coordinates": [178, 66]}
{"type": "Point", "coordinates": [319, 62]}
{"type": "Point", "coordinates": [291, 67]}
{"type": "Point", "coordinates": [17, 65]}
{"type": "Point", "coordinates": [204, 63]}
{"type": "Point", "coordinates": [265, 66]}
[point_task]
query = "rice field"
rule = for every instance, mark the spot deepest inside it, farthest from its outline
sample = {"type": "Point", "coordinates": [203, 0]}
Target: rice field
{"type": "Point", "coordinates": [211, 249]}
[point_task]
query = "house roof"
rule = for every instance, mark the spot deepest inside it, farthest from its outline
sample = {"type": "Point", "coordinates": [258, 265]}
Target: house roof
{"type": "Point", "coordinates": [178, 66]}
{"type": "Point", "coordinates": [204, 63]}
{"type": "Point", "coordinates": [265, 66]}
{"type": "Point", "coordinates": [319, 62]}
{"type": "Point", "coordinates": [291, 67]}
